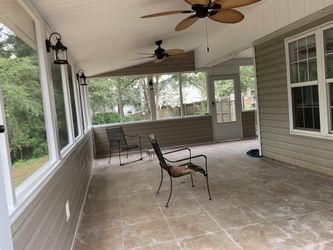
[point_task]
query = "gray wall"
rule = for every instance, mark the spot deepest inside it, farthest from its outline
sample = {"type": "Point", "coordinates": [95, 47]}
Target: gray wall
{"type": "Point", "coordinates": [43, 224]}
{"type": "Point", "coordinates": [173, 132]}
{"type": "Point", "coordinates": [277, 142]}
{"type": "Point", "coordinates": [249, 124]}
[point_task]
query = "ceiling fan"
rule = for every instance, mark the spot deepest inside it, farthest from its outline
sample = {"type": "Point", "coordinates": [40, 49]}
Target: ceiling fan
{"type": "Point", "coordinates": [161, 54]}
{"type": "Point", "coordinates": [219, 10]}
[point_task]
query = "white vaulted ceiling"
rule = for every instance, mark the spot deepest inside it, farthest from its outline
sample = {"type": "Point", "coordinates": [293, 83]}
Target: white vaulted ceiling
{"type": "Point", "coordinates": [104, 35]}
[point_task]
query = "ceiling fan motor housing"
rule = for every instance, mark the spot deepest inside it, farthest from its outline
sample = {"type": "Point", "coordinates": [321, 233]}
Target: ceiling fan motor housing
{"type": "Point", "coordinates": [201, 11]}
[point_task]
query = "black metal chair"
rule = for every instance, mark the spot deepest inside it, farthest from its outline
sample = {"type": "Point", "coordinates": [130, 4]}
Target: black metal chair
{"type": "Point", "coordinates": [117, 141]}
{"type": "Point", "coordinates": [186, 166]}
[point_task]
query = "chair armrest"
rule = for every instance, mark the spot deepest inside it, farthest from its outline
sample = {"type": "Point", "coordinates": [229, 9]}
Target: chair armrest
{"type": "Point", "coordinates": [178, 150]}
{"type": "Point", "coordinates": [189, 158]}
{"type": "Point", "coordinates": [132, 135]}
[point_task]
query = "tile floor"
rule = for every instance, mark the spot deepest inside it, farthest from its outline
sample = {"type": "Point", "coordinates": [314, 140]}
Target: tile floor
{"type": "Point", "coordinates": [257, 204]}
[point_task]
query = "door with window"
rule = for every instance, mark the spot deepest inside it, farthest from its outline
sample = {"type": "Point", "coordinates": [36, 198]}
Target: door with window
{"type": "Point", "coordinates": [226, 107]}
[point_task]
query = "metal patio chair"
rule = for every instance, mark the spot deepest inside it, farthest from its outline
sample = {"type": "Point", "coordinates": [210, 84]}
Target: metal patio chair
{"type": "Point", "coordinates": [183, 169]}
{"type": "Point", "coordinates": [118, 142]}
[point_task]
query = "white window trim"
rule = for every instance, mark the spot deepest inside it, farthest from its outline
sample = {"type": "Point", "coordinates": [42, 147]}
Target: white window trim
{"type": "Point", "coordinates": [322, 84]}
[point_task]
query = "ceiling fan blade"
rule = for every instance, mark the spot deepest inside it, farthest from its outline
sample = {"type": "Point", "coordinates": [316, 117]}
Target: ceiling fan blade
{"type": "Point", "coordinates": [168, 13]}
{"type": "Point", "coordinates": [159, 60]}
{"type": "Point", "coordinates": [201, 2]}
{"type": "Point", "coordinates": [173, 52]}
{"type": "Point", "coordinates": [227, 16]}
{"type": "Point", "coordinates": [187, 22]}
{"type": "Point", "coordinates": [228, 4]}
{"type": "Point", "coordinates": [145, 57]}
{"type": "Point", "coordinates": [142, 53]}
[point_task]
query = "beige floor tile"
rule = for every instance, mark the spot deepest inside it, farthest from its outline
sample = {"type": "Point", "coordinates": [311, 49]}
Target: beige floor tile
{"type": "Point", "coordinates": [263, 237]}
{"type": "Point", "coordinates": [134, 215]}
{"type": "Point", "coordinates": [146, 198]}
{"type": "Point", "coordinates": [209, 242]}
{"type": "Point", "coordinates": [100, 221]}
{"type": "Point", "coordinates": [100, 206]}
{"type": "Point", "coordinates": [235, 217]}
{"type": "Point", "coordinates": [100, 240]}
{"type": "Point", "coordinates": [192, 225]}
{"type": "Point", "coordinates": [145, 234]}
{"type": "Point", "coordinates": [173, 245]}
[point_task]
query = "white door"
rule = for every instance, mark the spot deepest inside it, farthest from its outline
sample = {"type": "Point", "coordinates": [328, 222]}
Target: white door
{"type": "Point", "coordinates": [226, 107]}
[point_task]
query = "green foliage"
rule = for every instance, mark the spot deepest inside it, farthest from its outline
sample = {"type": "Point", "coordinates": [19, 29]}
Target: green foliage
{"type": "Point", "coordinates": [105, 118]}
{"type": "Point", "coordinates": [19, 77]}
{"type": "Point", "coordinates": [247, 77]}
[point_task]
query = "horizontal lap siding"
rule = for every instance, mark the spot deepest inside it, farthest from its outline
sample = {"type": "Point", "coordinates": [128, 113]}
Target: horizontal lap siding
{"type": "Point", "coordinates": [277, 142]}
{"type": "Point", "coordinates": [43, 224]}
{"type": "Point", "coordinates": [168, 132]}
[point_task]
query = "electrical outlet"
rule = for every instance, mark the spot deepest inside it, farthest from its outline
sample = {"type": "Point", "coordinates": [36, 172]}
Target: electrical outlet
{"type": "Point", "coordinates": [67, 210]}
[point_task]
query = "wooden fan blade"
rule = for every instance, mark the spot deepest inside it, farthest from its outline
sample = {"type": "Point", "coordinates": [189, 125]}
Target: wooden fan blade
{"type": "Point", "coordinates": [173, 52]}
{"type": "Point", "coordinates": [187, 22]}
{"type": "Point", "coordinates": [201, 2]}
{"type": "Point", "coordinates": [167, 13]}
{"type": "Point", "coordinates": [227, 16]}
{"type": "Point", "coordinates": [145, 57]}
{"type": "Point", "coordinates": [228, 4]}
{"type": "Point", "coordinates": [159, 60]}
{"type": "Point", "coordinates": [142, 53]}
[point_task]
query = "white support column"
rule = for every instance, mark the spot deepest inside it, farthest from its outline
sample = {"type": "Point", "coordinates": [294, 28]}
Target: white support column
{"type": "Point", "coordinates": [120, 101]}
{"type": "Point", "coordinates": [181, 95]}
{"type": "Point", "coordinates": [152, 99]}
{"type": "Point", "coordinates": [6, 242]}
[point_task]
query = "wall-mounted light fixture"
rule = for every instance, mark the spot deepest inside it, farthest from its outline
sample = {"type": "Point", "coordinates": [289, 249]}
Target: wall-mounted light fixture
{"type": "Point", "coordinates": [59, 50]}
{"type": "Point", "coordinates": [151, 84]}
{"type": "Point", "coordinates": [81, 76]}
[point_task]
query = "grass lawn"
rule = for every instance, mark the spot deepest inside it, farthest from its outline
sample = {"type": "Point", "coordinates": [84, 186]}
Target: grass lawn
{"type": "Point", "coordinates": [22, 172]}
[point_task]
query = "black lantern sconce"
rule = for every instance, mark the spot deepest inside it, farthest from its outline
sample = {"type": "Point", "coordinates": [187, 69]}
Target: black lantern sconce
{"type": "Point", "coordinates": [59, 50]}
{"type": "Point", "coordinates": [81, 76]}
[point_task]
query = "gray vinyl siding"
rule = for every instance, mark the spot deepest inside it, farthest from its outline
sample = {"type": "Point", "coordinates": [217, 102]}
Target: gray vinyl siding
{"type": "Point", "coordinates": [173, 132]}
{"type": "Point", "coordinates": [42, 225]}
{"type": "Point", "coordinates": [277, 142]}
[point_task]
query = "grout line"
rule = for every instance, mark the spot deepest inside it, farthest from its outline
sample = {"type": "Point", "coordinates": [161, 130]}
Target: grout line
{"type": "Point", "coordinates": [222, 228]}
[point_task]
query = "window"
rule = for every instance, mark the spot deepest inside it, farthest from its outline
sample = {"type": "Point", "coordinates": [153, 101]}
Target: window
{"type": "Point", "coordinates": [135, 98]}
{"type": "Point", "coordinates": [131, 99]}
{"type": "Point", "coordinates": [328, 45]}
{"type": "Point", "coordinates": [167, 96]}
{"type": "Point", "coordinates": [104, 103]}
{"type": "Point", "coordinates": [22, 100]}
{"type": "Point", "coordinates": [194, 91]}
{"type": "Point", "coordinates": [59, 104]}
{"type": "Point", "coordinates": [248, 87]}
{"type": "Point", "coordinates": [310, 90]}
{"type": "Point", "coordinates": [304, 83]}
{"type": "Point", "coordinates": [72, 97]}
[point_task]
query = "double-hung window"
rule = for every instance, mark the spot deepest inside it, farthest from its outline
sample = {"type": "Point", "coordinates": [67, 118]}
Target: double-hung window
{"type": "Point", "coordinates": [310, 82]}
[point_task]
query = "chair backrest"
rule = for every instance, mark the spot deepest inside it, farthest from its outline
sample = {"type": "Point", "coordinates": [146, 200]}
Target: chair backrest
{"type": "Point", "coordinates": [116, 134]}
{"type": "Point", "coordinates": [159, 154]}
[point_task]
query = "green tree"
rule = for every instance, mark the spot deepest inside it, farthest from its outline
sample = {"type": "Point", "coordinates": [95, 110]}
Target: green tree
{"type": "Point", "coordinates": [19, 78]}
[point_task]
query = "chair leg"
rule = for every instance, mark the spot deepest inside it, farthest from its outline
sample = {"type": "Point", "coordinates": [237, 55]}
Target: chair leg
{"type": "Point", "coordinates": [119, 157]}
{"type": "Point", "coordinates": [110, 155]}
{"type": "Point", "coordinates": [192, 180]}
{"type": "Point", "coordinates": [167, 204]}
{"type": "Point", "coordinates": [158, 190]}
{"type": "Point", "coordinates": [127, 154]}
{"type": "Point", "coordinates": [210, 197]}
